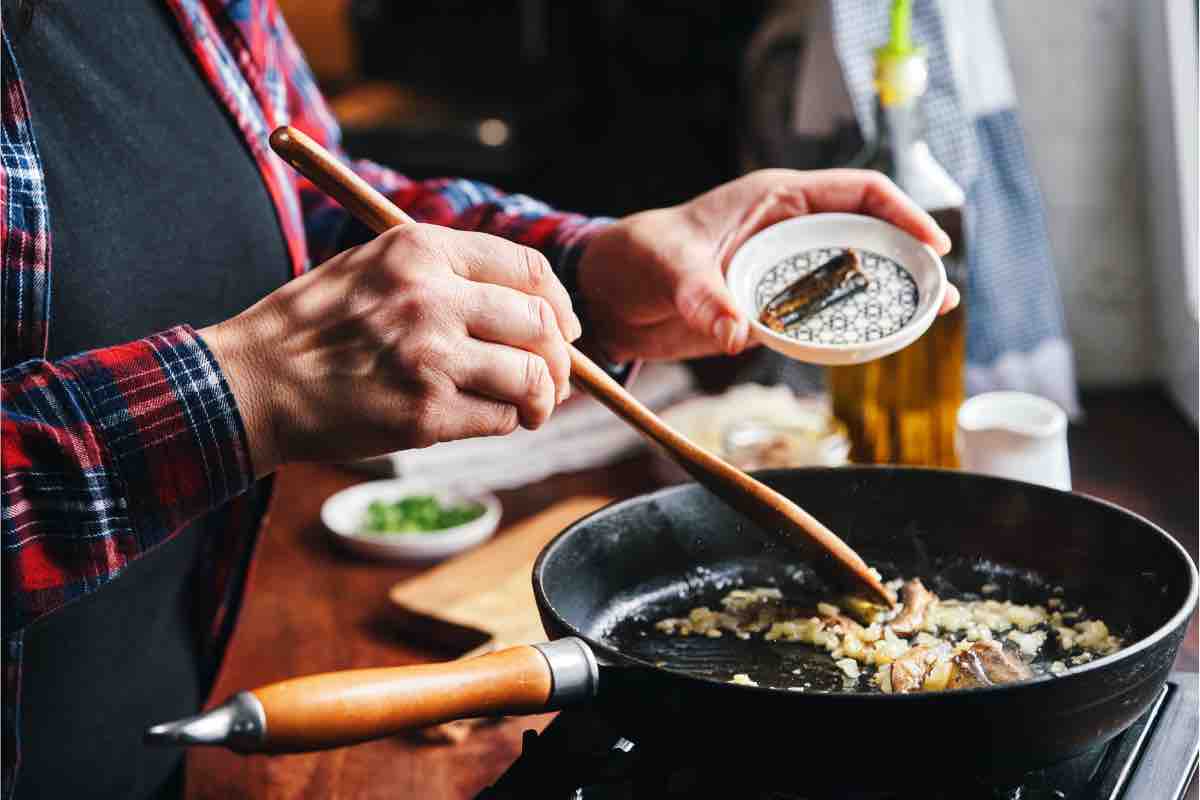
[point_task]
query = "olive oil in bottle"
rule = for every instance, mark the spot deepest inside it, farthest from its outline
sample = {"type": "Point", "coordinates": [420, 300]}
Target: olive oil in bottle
{"type": "Point", "coordinates": [901, 409]}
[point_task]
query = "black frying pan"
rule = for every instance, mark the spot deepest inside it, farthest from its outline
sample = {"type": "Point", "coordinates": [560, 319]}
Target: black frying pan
{"type": "Point", "coordinates": [602, 581]}
{"type": "Point", "coordinates": [657, 555]}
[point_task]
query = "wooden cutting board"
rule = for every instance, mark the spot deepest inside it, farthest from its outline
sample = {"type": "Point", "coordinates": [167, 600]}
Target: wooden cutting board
{"type": "Point", "coordinates": [483, 600]}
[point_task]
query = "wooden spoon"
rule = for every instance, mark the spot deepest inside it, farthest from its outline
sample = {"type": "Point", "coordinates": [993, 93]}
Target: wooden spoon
{"type": "Point", "coordinates": [758, 502]}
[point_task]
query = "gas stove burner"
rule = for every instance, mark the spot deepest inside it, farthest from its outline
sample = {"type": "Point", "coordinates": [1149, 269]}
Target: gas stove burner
{"type": "Point", "coordinates": [581, 756]}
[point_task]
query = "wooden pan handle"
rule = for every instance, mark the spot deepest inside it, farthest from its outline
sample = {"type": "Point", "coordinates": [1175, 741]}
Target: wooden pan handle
{"type": "Point", "coordinates": [339, 708]}
{"type": "Point", "coordinates": [334, 709]}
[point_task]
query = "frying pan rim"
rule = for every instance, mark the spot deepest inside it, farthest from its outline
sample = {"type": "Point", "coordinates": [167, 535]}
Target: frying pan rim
{"type": "Point", "coordinates": [616, 657]}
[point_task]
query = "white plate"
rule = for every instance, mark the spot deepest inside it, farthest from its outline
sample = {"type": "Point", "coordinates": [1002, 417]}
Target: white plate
{"type": "Point", "coordinates": [344, 515]}
{"type": "Point", "coordinates": [770, 246]}
{"type": "Point", "coordinates": [706, 419]}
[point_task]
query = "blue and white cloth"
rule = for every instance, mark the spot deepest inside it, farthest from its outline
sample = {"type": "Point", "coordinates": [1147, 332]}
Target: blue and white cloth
{"type": "Point", "coordinates": [1016, 331]}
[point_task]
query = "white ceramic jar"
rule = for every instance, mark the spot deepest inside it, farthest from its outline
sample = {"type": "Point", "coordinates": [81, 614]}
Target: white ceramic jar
{"type": "Point", "coordinates": [1014, 435]}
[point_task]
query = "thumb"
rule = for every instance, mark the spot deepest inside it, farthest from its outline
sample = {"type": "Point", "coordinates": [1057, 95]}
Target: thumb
{"type": "Point", "coordinates": [704, 303]}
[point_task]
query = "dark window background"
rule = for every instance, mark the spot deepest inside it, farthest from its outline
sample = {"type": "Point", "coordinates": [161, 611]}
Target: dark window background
{"type": "Point", "coordinates": [606, 106]}
{"type": "Point", "coordinates": [609, 107]}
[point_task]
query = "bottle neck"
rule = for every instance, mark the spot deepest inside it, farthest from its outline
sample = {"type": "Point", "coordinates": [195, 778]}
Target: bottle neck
{"type": "Point", "coordinates": [902, 154]}
{"type": "Point", "coordinates": [900, 129]}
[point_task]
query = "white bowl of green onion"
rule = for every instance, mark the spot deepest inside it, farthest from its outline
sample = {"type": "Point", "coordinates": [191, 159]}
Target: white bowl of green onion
{"type": "Point", "coordinates": [408, 520]}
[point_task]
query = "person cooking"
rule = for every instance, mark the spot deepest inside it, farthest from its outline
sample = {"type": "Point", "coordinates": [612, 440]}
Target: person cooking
{"type": "Point", "coordinates": [168, 343]}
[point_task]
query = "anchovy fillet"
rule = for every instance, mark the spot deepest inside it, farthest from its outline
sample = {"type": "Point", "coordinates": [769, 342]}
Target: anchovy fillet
{"type": "Point", "coordinates": [834, 281]}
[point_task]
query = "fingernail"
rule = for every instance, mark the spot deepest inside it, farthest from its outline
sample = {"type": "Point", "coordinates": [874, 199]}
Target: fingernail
{"type": "Point", "coordinates": [576, 330]}
{"type": "Point", "coordinates": [953, 297]}
{"type": "Point", "coordinates": [725, 332]}
{"type": "Point", "coordinates": [563, 394]}
{"type": "Point", "coordinates": [946, 243]}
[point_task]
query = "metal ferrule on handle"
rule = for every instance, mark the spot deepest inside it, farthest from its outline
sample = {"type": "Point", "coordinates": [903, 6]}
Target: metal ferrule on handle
{"type": "Point", "coordinates": [573, 669]}
{"type": "Point", "coordinates": [240, 723]}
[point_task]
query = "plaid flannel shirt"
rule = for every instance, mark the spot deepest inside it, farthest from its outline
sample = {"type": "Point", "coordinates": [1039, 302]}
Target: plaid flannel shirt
{"type": "Point", "coordinates": [109, 453]}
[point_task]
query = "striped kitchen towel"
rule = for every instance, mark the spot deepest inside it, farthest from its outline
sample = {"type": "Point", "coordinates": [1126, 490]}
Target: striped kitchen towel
{"type": "Point", "coordinates": [1016, 332]}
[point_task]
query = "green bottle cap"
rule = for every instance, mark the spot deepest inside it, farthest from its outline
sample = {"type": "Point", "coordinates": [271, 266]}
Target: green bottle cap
{"type": "Point", "coordinates": [901, 72]}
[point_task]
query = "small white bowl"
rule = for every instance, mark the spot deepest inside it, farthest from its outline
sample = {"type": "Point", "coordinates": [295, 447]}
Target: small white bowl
{"type": "Point", "coordinates": [765, 250]}
{"type": "Point", "coordinates": [344, 515]}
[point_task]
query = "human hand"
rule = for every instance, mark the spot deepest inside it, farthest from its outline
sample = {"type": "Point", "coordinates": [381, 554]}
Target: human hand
{"type": "Point", "coordinates": [653, 283]}
{"type": "Point", "coordinates": [423, 335]}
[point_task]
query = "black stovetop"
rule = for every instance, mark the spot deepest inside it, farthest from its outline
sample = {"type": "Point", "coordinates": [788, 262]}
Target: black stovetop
{"type": "Point", "coordinates": [580, 756]}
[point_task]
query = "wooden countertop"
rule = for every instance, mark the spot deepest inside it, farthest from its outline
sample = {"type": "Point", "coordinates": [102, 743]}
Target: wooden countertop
{"type": "Point", "coordinates": [311, 608]}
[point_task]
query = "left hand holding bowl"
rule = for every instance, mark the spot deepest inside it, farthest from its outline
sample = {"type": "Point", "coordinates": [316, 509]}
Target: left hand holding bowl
{"type": "Point", "coordinates": [653, 283]}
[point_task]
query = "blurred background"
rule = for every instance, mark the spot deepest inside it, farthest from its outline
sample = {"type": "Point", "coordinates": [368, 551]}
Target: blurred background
{"type": "Point", "coordinates": [614, 106]}
{"type": "Point", "coordinates": [1088, 183]}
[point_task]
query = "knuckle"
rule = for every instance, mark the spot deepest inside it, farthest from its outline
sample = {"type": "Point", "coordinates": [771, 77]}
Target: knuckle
{"type": "Point", "coordinates": [418, 351]}
{"type": "Point", "coordinates": [539, 392]}
{"type": "Point", "coordinates": [408, 249]}
{"type": "Point", "coordinates": [537, 268]}
{"type": "Point", "coordinates": [560, 358]}
{"type": "Point", "coordinates": [421, 294]}
{"type": "Point", "coordinates": [407, 236]}
{"type": "Point", "coordinates": [537, 375]}
{"type": "Point", "coordinates": [541, 317]}
{"type": "Point", "coordinates": [429, 410]}
{"type": "Point", "coordinates": [419, 299]}
{"type": "Point", "coordinates": [506, 420]}
{"type": "Point", "coordinates": [373, 327]}
{"type": "Point", "coordinates": [399, 241]}
{"type": "Point", "coordinates": [396, 271]}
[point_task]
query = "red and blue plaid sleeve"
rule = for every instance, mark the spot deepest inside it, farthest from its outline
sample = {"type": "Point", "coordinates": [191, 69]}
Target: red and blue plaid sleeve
{"type": "Point", "coordinates": [107, 454]}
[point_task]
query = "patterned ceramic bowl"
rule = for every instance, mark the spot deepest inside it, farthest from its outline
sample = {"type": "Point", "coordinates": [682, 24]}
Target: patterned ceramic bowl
{"type": "Point", "coordinates": [906, 287]}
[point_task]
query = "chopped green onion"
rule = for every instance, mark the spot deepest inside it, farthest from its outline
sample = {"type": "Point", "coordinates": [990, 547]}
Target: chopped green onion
{"type": "Point", "coordinates": [418, 514]}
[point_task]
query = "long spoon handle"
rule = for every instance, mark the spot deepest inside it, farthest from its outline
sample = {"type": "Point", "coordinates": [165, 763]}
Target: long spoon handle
{"type": "Point", "coordinates": [334, 178]}
{"type": "Point", "coordinates": [765, 506]}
